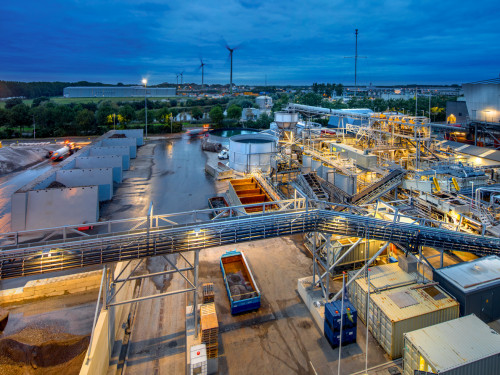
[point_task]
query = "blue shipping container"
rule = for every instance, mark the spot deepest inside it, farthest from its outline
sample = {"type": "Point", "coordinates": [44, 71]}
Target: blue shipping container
{"type": "Point", "coordinates": [333, 316]}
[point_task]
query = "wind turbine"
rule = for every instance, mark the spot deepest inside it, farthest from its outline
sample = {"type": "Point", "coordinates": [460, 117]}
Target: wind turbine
{"type": "Point", "coordinates": [231, 50]}
{"type": "Point", "coordinates": [182, 74]}
{"type": "Point", "coordinates": [202, 66]}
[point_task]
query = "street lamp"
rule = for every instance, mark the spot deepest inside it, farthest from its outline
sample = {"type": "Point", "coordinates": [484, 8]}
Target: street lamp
{"type": "Point", "coordinates": [145, 83]}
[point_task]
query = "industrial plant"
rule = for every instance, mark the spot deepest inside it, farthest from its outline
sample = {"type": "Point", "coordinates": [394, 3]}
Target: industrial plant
{"type": "Point", "coordinates": [368, 246]}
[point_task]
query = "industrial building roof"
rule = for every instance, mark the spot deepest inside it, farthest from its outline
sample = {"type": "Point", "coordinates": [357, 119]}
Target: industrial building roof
{"type": "Point", "coordinates": [482, 152]}
{"type": "Point", "coordinates": [385, 276]}
{"type": "Point", "coordinates": [412, 300]}
{"type": "Point", "coordinates": [474, 275]}
{"type": "Point", "coordinates": [455, 343]}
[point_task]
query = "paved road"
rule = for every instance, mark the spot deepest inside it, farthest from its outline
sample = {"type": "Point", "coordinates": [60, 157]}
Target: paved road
{"type": "Point", "coordinates": [171, 174]}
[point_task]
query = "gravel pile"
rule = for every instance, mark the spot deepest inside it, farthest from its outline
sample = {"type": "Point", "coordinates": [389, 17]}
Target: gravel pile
{"type": "Point", "coordinates": [239, 288]}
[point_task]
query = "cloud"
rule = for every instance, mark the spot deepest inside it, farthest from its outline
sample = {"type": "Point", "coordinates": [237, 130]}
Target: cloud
{"type": "Point", "coordinates": [289, 41]}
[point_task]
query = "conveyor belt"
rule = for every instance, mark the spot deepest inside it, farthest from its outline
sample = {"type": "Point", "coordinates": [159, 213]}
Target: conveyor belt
{"type": "Point", "coordinates": [378, 189]}
{"type": "Point", "coordinates": [110, 248]}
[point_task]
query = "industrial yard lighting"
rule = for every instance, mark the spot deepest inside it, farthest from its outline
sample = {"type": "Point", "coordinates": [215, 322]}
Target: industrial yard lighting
{"type": "Point", "coordinates": [145, 83]}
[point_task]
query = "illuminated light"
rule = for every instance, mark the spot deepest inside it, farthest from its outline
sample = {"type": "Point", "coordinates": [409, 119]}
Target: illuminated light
{"type": "Point", "coordinates": [144, 81]}
{"type": "Point", "coordinates": [197, 231]}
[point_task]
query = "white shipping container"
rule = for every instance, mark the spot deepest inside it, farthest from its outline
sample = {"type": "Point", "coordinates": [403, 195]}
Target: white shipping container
{"type": "Point", "coordinates": [457, 347]}
{"type": "Point", "coordinates": [198, 364]}
{"type": "Point", "coordinates": [383, 277]}
{"type": "Point", "coordinates": [395, 312]}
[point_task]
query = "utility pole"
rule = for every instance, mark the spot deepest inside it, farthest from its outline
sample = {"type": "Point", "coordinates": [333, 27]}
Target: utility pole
{"type": "Point", "coordinates": [355, 61]}
{"type": "Point", "coordinates": [416, 99]}
{"type": "Point", "coordinates": [231, 75]}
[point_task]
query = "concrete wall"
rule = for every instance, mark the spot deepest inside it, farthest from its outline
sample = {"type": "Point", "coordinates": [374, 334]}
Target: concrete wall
{"type": "Point", "coordinates": [108, 328]}
{"type": "Point", "coordinates": [109, 161]}
{"type": "Point", "coordinates": [123, 151]}
{"type": "Point", "coordinates": [118, 142]}
{"type": "Point", "coordinates": [102, 177]}
{"type": "Point", "coordinates": [54, 286]}
{"type": "Point", "coordinates": [138, 134]}
{"type": "Point", "coordinates": [57, 207]}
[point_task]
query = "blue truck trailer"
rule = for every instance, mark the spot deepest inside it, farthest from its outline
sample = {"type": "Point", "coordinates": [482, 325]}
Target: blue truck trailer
{"type": "Point", "coordinates": [240, 285]}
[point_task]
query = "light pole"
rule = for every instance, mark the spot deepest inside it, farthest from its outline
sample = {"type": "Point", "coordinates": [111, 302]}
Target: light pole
{"type": "Point", "coordinates": [145, 82]}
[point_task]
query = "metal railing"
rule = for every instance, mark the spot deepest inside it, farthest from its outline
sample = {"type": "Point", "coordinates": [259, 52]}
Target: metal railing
{"type": "Point", "coordinates": [165, 234]}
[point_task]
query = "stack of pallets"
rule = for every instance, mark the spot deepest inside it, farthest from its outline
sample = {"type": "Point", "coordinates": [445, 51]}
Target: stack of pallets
{"type": "Point", "coordinates": [209, 329]}
{"type": "Point", "coordinates": [208, 292]}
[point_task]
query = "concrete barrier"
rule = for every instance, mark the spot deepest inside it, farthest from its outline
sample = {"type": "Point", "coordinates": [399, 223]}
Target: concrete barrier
{"type": "Point", "coordinates": [54, 286]}
{"type": "Point", "coordinates": [138, 134]}
{"type": "Point", "coordinates": [108, 328]}
{"type": "Point", "coordinates": [49, 208]}
{"type": "Point", "coordinates": [119, 142]}
{"type": "Point", "coordinates": [108, 161]}
{"type": "Point", "coordinates": [123, 151]}
{"type": "Point", "coordinates": [102, 177]}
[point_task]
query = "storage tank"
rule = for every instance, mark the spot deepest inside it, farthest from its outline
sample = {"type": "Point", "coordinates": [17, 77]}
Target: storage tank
{"type": "Point", "coordinates": [248, 152]}
{"type": "Point", "coordinates": [264, 101]}
{"type": "Point", "coordinates": [306, 163]}
{"type": "Point", "coordinates": [286, 120]}
{"type": "Point", "coordinates": [327, 173]}
{"type": "Point", "coordinates": [315, 165]}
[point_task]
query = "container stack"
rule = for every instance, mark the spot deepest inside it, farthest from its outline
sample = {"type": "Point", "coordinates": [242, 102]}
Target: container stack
{"type": "Point", "coordinates": [208, 292]}
{"type": "Point", "coordinates": [335, 318]}
{"type": "Point", "coordinates": [209, 329]}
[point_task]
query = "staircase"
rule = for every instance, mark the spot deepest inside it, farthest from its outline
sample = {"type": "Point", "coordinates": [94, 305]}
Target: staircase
{"type": "Point", "coordinates": [310, 183]}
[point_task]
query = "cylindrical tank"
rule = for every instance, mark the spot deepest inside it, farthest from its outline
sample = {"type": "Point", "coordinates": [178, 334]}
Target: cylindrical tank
{"type": "Point", "coordinates": [328, 173]}
{"type": "Point", "coordinates": [316, 165]}
{"type": "Point", "coordinates": [264, 102]}
{"type": "Point", "coordinates": [306, 163]}
{"type": "Point", "coordinates": [286, 120]}
{"type": "Point", "coordinates": [248, 152]}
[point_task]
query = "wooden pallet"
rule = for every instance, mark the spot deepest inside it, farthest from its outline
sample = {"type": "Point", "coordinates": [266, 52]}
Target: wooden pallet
{"type": "Point", "coordinates": [208, 292]}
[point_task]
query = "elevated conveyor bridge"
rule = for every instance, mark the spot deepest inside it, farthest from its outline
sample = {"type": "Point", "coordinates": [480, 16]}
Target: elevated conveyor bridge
{"type": "Point", "coordinates": [22, 254]}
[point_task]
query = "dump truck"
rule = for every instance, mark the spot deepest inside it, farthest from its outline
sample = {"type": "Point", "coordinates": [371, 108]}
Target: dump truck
{"type": "Point", "coordinates": [240, 285]}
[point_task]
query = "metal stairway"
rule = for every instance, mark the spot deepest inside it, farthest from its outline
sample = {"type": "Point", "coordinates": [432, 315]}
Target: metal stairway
{"type": "Point", "coordinates": [378, 189]}
{"type": "Point", "coordinates": [25, 259]}
{"type": "Point", "coordinates": [312, 186]}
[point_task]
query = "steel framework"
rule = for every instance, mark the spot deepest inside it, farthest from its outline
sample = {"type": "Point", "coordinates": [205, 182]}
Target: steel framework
{"type": "Point", "coordinates": [165, 234]}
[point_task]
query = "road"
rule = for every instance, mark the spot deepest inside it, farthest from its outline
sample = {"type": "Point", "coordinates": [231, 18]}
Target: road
{"type": "Point", "coordinates": [171, 174]}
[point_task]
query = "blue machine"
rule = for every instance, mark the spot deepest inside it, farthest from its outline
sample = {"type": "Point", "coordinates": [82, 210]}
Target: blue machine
{"type": "Point", "coordinates": [333, 319]}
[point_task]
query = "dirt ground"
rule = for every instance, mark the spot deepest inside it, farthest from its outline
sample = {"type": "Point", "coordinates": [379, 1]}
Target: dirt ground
{"type": "Point", "coordinates": [281, 337]}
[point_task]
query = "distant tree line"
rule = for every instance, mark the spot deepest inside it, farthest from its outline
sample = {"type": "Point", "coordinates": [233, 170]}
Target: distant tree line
{"type": "Point", "coordinates": [51, 119]}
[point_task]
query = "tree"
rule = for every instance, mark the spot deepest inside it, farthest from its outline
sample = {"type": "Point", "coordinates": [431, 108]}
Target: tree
{"type": "Point", "coordinates": [20, 116]}
{"type": "Point", "coordinates": [216, 115]}
{"type": "Point", "coordinates": [234, 111]}
{"type": "Point", "coordinates": [39, 100]}
{"type": "Point", "coordinates": [85, 120]}
{"type": "Point", "coordinates": [127, 113]}
{"type": "Point", "coordinates": [4, 117]}
{"type": "Point", "coordinates": [311, 99]}
{"type": "Point", "coordinates": [339, 89]}
{"type": "Point", "coordinates": [11, 103]}
{"type": "Point", "coordinates": [197, 113]}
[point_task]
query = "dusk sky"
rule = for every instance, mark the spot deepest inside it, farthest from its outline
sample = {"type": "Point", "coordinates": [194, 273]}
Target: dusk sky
{"type": "Point", "coordinates": [292, 42]}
